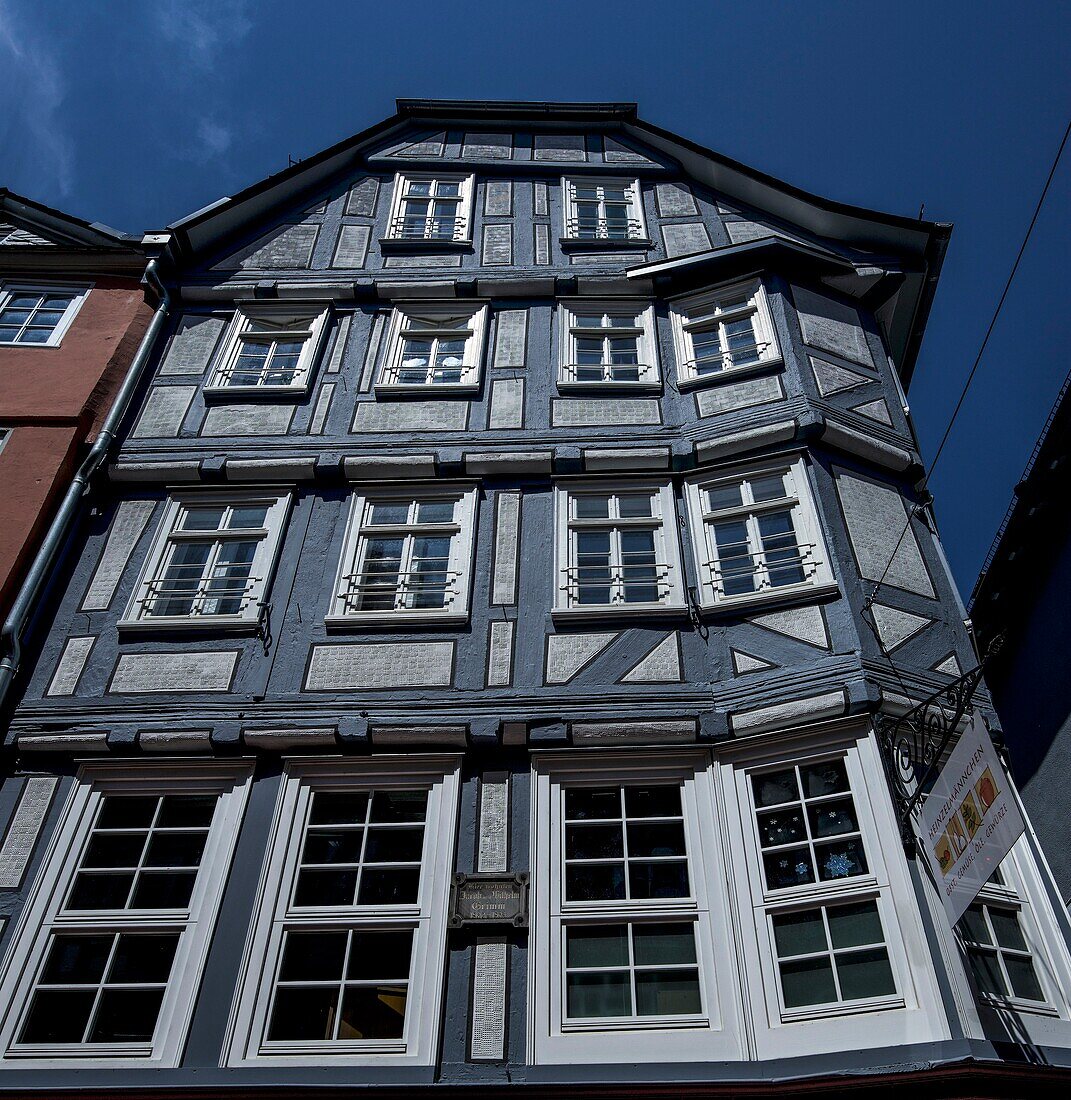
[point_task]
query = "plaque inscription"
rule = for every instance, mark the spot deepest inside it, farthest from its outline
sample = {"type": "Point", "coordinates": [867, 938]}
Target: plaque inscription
{"type": "Point", "coordinates": [489, 899]}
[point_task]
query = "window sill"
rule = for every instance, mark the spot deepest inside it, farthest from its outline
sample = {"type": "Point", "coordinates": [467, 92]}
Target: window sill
{"type": "Point", "coordinates": [425, 389]}
{"type": "Point", "coordinates": [234, 394]}
{"type": "Point", "coordinates": [388, 245]}
{"type": "Point", "coordinates": [639, 1023]}
{"type": "Point", "coordinates": [604, 244]}
{"type": "Point", "coordinates": [395, 618]}
{"type": "Point", "coordinates": [569, 386]}
{"type": "Point", "coordinates": [606, 612]}
{"type": "Point", "coordinates": [783, 597]}
{"type": "Point", "coordinates": [1013, 1004]}
{"type": "Point", "coordinates": [730, 374]}
{"type": "Point", "coordinates": [228, 624]}
{"type": "Point", "coordinates": [852, 1008]}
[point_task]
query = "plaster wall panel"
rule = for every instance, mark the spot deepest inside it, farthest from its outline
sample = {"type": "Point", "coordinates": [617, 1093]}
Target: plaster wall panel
{"type": "Point", "coordinates": [25, 829]}
{"type": "Point", "coordinates": [395, 416]}
{"type": "Point", "coordinates": [178, 673]}
{"type": "Point", "coordinates": [684, 238]}
{"type": "Point", "coordinates": [577, 412]}
{"type": "Point", "coordinates": [739, 395]}
{"type": "Point", "coordinates": [832, 326]}
{"type": "Point", "coordinates": [385, 665]}
{"type": "Point", "coordinates": [223, 420]}
{"type": "Point", "coordinates": [131, 519]}
{"type": "Point", "coordinates": [71, 663]}
{"type": "Point", "coordinates": [164, 411]}
{"type": "Point", "coordinates": [191, 347]}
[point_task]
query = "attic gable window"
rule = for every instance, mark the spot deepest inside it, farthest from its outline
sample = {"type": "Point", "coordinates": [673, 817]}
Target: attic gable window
{"type": "Point", "coordinates": [601, 210]}
{"type": "Point", "coordinates": [269, 350]}
{"type": "Point", "coordinates": [434, 347]}
{"type": "Point", "coordinates": [431, 209]}
{"type": "Point", "coordinates": [722, 330]}
{"type": "Point", "coordinates": [38, 315]}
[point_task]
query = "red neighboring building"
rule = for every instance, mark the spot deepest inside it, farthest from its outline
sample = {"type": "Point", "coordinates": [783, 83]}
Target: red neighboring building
{"type": "Point", "coordinates": [72, 314]}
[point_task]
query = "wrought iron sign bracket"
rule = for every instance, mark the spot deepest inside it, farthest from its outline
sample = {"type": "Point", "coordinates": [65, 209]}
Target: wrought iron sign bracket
{"type": "Point", "coordinates": [913, 745]}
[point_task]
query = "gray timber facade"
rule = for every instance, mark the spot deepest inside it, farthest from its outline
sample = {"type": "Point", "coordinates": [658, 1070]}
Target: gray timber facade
{"type": "Point", "coordinates": [517, 489]}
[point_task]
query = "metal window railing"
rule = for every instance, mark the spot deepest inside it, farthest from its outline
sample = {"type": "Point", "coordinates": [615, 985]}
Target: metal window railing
{"type": "Point", "coordinates": [752, 352]}
{"type": "Point", "coordinates": [411, 228]}
{"type": "Point", "coordinates": [739, 560]}
{"type": "Point", "coordinates": [603, 229]}
{"type": "Point", "coordinates": [619, 581]}
{"type": "Point", "coordinates": [255, 376]}
{"type": "Point", "coordinates": [196, 595]}
{"type": "Point", "coordinates": [410, 590]}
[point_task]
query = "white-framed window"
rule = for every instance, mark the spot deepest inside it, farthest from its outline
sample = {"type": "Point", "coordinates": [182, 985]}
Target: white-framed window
{"type": "Point", "coordinates": [617, 548]}
{"type": "Point", "coordinates": [38, 314]}
{"type": "Point", "coordinates": [106, 964]}
{"type": "Point", "coordinates": [431, 208]}
{"type": "Point", "coordinates": [598, 209]}
{"type": "Point", "coordinates": [434, 347]}
{"type": "Point", "coordinates": [723, 330]}
{"type": "Point", "coordinates": [820, 889]}
{"type": "Point", "coordinates": [756, 534]}
{"type": "Point", "coordinates": [346, 955]}
{"type": "Point", "coordinates": [407, 555]}
{"type": "Point", "coordinates": [5, 435]}
{"type": "Point", "coordinates": [270, 349]}
{"type": "Point", "coordinates": [606, 344]}
{"type": "Point", "coordinates": [211, 561]}
{"type": "Point", "coordinates": [630, 957]}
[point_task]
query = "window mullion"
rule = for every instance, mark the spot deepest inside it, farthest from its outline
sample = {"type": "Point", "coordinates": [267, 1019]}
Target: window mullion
{"type": "Point", "coordinates": [98, 993]}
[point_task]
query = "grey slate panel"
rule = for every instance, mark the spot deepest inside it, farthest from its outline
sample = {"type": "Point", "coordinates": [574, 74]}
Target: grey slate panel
{"type": "Point", "coordinates": [507, 403]}
{"type": "Point", "coordinates": [25, 829]}
{"type": "Point", "coordinates": [542, 244]}
{"type": "Point", "coordinates": [361, 201]}
{"type": "Point", "coordinates": [683, 238]}
{"type": "Point", "coordinates": [560, 147]}
{"type": "Point", "coordinates": [192, 345]}
{"type": "Point", "coordinates": [394, 416]}
{"type": "Point", "coordinates": [540, 202]}
{"type": "Point", "coordinates": [497, 244]}
{"type": "Point", "coordinates": [163, 413]}
{"type": "Point", "coordinates": [287, 247]}
{"type": "Point", "coordinates": [131, 519]}
{"type": "Point", "coordinates": [382, 665]}
{"type": "Point", "coordinates": [506, 551]}
{"type": "Point", "coordinates": [179, 672]}
{"type": "Point", "coordinates": [352, 248]}
{"type": "Point", "coordinates": [500, 656]}
{"type": "Point", "coordinates": [739, 395]}
{"type": "Point", "coordinates": [578, 412]}
{"type": "Point", "coordinates": [498, 198]}
{"type": "Point", "coordinates": [488, 146]}
{"type": "Point", "coordinates": [224, 420]}
{"type": "Point", "coordinates": [319, 414]}
{"type": "Point", "coordinates": [70, 665]}
{"type": "Point", "coordinates": [675, 200]}
{"type": "Point", "coordinates": [831, 326]}
{"type": "Point", "coordinates": [511, 329]}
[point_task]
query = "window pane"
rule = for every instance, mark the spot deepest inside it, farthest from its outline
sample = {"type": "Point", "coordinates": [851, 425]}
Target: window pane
{"type": "Point", "coordinates": [175, 849]}
{"type": "Point", "coordinates": [593, 841]}
{"type": "Point", "coordinates": [384, 512]}
{"type": "Point", "coordinates": [187, 810]}
{"type": "Point", "coordinates": [380, 956]}
{"type": "Point", "coordinates": [781, 827]}
{"type": "Point", "coordinates": [392, 806]}
{"type": "Point", "coordinates": [784, 869]}
{"type": "Point", "coordinates": [855, 925]}
{"type": "Point", "coordinates": [114, 850]}
{"type": "Point", "coordinates": [799, 933]}
{"type": "Point", "coordinates": [673, 993]}
{"type": "Point", "coordinates": [840, 860]}
{"type": "Point", "coordinates": [100, 891]}
{"type": "Point", "coordinates": [1023, 978]}
{"type": "Point", "coordinates": [76, 960]}
{"type": "Point", "coordinates": [126, 1016]}
{"type": "Point", "coordinates": [597, 946]}
{"type": "Point", "coordinates": [656, 801]}
{"type": "Point", "coordinates": [807, 982]}
{"type": "Point", "coordinates": [987, 973]}
{"type": "Point", "coordinates": [164, 890]}
{"type": "Point", "coordinates": [303, 1014]}
{"type": "Point", "coordinates": [120, 812]}
{"type": "Point", "coordinates": [662, 839]}
{"type": "Point", "coordinates": [865, 974]}
{"type": "Point", "coordinates": [973, 926]}
{"type": "Point", "coordinates": [338, 807]}
{"type": "Point", "coordinates": [589, 506]}
{"type": "Point", "coordinates": [202, 519]}
{"type": "Point", "coordinates": [57, 1016]}
{"type": "Point", "coordinates": [325, 887]}
{"type": "Point", "coordinates": [313, 956]}
{"type": "Point", "coordinates": [594, 995]}
{"type": "Point", "coordinates": [1006, 928]}
{"type": "Point", "coordinates": [635, 505]}
{"type": "Point", "coordinates": [396, 886]}
{"type": "Point", "coordinates": [333, 846]}
{"type": "Point", "coordinates": [247, 518]}
{"type": "Point", "coordinates": [595, 882]}
{"type": "Point", "coordinates": [435, 511]}
{"type": "Point", "coordinates": [143, 959]}
{"type": "Point", "coordinates": [586, 803]}
{"type": "Point", "coordinates": [831, 818]}
{"type": "Point", "coordinates": [373, 1012]}
{"type": "Point", "coordinates": [827, 778]}
{"type": "Point", "coordinates": [775, 788]}
{"type": "Point", "coordinates": [768, 487]}
{"type": "Point", "coordinates": [663, 944]}
{"type": "Point", "coordinates": [658, 880]}
{"type": "Point", "coordinates": [394, 845]}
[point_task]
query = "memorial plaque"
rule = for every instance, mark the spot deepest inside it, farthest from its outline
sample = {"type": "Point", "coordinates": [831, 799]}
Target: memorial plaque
{"type": "Point", "coordinates": [487, 898]}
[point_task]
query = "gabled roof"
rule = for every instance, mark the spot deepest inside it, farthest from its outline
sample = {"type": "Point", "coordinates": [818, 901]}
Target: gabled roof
{"type": "Point", "coordinates": [58, 228]}
{"type": "Point", "coordinates": [913, 249]}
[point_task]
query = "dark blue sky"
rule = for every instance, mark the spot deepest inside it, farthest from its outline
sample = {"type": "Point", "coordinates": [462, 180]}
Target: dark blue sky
{"type": "Point", "coordinates": [135, 113]}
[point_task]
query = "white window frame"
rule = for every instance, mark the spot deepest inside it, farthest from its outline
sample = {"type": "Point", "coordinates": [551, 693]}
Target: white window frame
{"type": "Point", "coordinates": [702, 311]}
{"type": "Point", "coordinates": [462, 235]}
{"type": "Point", "coordinates": [246, 1044]}
{"type": "Point", "coordinates": [646, 343]}
{"type": "Point", "coordinates": [637, 224]}
{"type": "Point", "coordinates": [716, 1034]}
{"type": "Point", "coordinates": [43, 914]}
{"type": "Point", "coordinates": [667, 548]}
{"type": "Point", "coordinates": [475, 338]}
{"type": "Point", "coordinates": [5, 435]}
{"type": "Point", "coordinates": [261, 323]}
{"type": "Point", "coordinates": [460, 566]}
{"type": "Point", "coordinates": [808, 529]}
{"type": "Point", "coordinates": [79, 290]}
{"type": "Point", "coordinates": [260, 573]}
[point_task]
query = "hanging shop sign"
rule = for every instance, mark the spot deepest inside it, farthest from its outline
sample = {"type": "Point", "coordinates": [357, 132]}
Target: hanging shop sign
{"type": "Point", "coordinates": [969, 820]}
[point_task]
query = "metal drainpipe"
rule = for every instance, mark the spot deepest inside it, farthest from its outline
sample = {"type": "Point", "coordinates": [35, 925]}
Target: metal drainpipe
{"type": "Point", "coordinates": [49, 554]}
